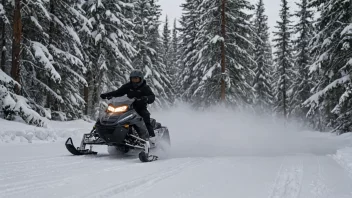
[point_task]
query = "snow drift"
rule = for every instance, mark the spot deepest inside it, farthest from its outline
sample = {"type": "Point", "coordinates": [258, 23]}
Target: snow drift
{"type": "Point", "coordinates": [18, 131]}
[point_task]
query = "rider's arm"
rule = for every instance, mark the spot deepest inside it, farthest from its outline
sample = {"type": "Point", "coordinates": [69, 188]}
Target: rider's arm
{"type": "Point", "coordinates": [123, 90]}
{"type": "Point", "coordinates": [150, 95]}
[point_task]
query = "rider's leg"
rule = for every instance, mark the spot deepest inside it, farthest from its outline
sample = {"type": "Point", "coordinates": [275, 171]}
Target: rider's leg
{"type": "Point", "coordinates": [146, 117]}
{"type": "Point", "coordinates": [141, 130]}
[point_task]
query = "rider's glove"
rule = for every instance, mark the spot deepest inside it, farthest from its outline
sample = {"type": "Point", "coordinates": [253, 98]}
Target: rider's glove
{"type": "Point", "coordinates": [104, 96]}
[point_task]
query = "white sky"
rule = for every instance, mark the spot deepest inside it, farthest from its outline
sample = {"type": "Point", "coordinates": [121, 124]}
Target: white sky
{"type": "Point", "coordinates": [272, 8]}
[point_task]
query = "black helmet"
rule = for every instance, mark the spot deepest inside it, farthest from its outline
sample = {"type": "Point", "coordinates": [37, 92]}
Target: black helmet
{"type": "Point", "coordinates": [139, 74]}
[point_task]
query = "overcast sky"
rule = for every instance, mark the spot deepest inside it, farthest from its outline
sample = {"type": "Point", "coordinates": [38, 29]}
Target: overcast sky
{"type": "Point", "coordinates": [173, 10]}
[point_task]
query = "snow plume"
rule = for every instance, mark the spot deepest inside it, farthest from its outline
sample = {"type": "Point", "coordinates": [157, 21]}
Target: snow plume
{"type": "Point", "coordinates": [223, 132]}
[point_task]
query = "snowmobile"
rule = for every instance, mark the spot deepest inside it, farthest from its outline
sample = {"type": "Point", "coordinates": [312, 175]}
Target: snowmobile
{"type": "Point", "coordinates": [118, 127]}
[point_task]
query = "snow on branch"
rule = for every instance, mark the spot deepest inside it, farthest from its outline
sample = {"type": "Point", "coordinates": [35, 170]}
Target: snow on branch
{"type": "Point", "coordinates": [27, 113]}
{"type": "Point", "coordinates": [72, 59]}
{"type": "Point", "coordinates": [74, 35]}
{"type": "Point", "coordinates": [57, 97]}
{"type": "Point", "coordinates": [347, 30]}
{"type": "Point", "coordinates": [45, 11]}
{"type": "Point", "coordinates": [2, 10]}
{"type": "Point", "coordinates": [5, 79]}
{"type": "Point", "coordinates": [42, 53]}
{"type": "Point", "coordinates": [3, 14]}
{"type": "Point", "coordinates": [79, 77]}
{"type": "Point", "coordinates": [36, 23]}
{"type": "Point", "coordinates": [13, 104]}
{"type": "Point", "coordinates": [112, 17]}
{"type": "Point", "coordinates": [216, 39]}
{"type": "Point", "coordinates": [116, 50]}
{"type": "Point", "coordinates": [316, 96]}
{"type": "Point", "coordinates": [126, 5]}
{"type": "Point", "coordinates": [344, 97]}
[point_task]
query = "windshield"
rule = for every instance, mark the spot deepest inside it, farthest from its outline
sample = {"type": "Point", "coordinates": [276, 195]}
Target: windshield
{"type": "Point", "coordinates": [123, 100]}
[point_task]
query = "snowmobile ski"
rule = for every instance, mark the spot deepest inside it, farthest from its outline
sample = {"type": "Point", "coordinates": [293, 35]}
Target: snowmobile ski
{"type": "Point", "coordinates": [145, 157]}
{"type": "Point", "coordinates": [72, 149]}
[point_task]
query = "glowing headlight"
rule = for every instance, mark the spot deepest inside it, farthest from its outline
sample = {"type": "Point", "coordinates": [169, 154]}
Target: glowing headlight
{"type": "Point", "coordinates": [119, 109]}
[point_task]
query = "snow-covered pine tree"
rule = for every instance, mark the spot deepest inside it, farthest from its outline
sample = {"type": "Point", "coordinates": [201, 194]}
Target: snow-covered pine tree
{"type": "Point", "coordinates": [302, 84]}
{"type": "Point", "coordinates": [22, 105]}
{"type": "Point", "coordinates": [331, 47]}
{"type": "Point", "coordinates": [51, 65]}
{"type": "Point", "coordinates": [67, 56]}
{"type": "Point", "coordinates": [190, 25]}
{"type": "Point", "coordinates": [149, 48]}
{"type": "Point", "coordinates": [263, 62]}
{"type": "Point", "coordinates": [110, 47]}
{"type": "Point", "coordinates": [166, 40]}
{"type": "Point", "coordinates": [211, 54]}
{"type": "Point", "coordinates": [84, 28]}
{"type": "Point", "coordinates": [283, 60]}
{"type": "Point", "coordinates": [174, 58]}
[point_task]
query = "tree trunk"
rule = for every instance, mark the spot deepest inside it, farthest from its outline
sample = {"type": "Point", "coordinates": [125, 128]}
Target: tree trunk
{"type": "Point", "coordinates": [16, 44]}
{"type": "Point", "coordinates": [49, 98]}
{"type": "Point", "coordinates": [223, 56]}
{"type": "Point", "coordinates": [3, 43]}
{"type": "Point", "coordinates": [2, 47]}
{"type": "Point", "coordinates": [86, 94]}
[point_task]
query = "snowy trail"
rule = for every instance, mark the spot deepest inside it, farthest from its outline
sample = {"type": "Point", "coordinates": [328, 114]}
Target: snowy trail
{"type": "Point", "coordinates": [242, 156]}
{"type": "Point", "coordinates": [54, 173]}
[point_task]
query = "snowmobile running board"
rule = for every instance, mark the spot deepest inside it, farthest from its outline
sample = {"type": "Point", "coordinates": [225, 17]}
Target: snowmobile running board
{"type": "Point", "coordinates": [72, 149]}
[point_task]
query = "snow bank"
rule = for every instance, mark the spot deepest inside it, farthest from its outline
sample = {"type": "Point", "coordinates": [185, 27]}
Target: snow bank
{"type": "Point", "coordinates": [344, 158]}
{"type": "Point", "coordinates": [12, 131]}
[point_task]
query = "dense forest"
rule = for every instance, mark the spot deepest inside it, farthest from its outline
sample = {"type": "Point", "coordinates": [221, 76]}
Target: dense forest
{"type": "Point", "coordinates": [58, 56]}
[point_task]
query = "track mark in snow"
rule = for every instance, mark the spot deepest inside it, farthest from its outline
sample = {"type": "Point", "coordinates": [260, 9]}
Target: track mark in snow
{"type": "Point", "coordinates": [138, 186]}
{"type": "Point", "coordinates": [59, 175]}
{"type": "Point", "coordinates": [319, 187]}
{"type": "Point", "coordinates": [288, 182]}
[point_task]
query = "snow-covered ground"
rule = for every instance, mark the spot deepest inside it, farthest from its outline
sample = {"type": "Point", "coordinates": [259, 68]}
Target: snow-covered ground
{"type": "Point", "coordinates": [214, 154]}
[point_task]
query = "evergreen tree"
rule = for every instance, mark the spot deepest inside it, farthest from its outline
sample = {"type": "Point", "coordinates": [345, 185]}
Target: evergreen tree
{"type": "Point", "coordinates": [263, 61]}
{"type": "Point", "coordinates": [223, 39]}
{"type": "Point", "coordinates": [331, 48]}
{"type": "Point", "coordinates": [150, 54]}
{"type": "Point", "coordinates": [67, 56]}
{"type": "Point", "coordinates": [51, 44]}
{"type": "Point", "coordinates": [166, 39]}
{"type": "Point", "coordinates": [283, 60]}
{"type": "Point", "coordinates": [190, 25]}
{"type": "Point", "coordinates": [302, 84]}
{"type": "Point", "coordinates": [110, 47]}
{"type": "Point", "coordinates": [174, 57]}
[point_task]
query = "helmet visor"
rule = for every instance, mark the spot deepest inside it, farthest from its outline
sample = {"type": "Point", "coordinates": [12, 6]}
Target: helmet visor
{"type": "Point", "coordinates": [136, 79]}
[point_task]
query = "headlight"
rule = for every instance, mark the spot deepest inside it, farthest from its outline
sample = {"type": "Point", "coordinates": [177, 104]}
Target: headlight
{"type": "Point", "coordinates": [119, 109]}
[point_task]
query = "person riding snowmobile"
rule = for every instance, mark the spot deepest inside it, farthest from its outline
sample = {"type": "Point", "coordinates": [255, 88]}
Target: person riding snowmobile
{"type": "Point", "coordinates": [137, 88]}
